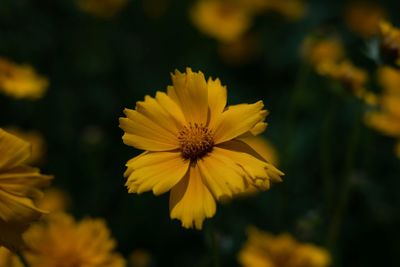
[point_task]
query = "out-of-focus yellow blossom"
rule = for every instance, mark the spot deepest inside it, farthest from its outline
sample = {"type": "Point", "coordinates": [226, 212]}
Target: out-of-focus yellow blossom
{"type": "Point", "coordinates": [363, 18]}
{"type": "Point", "coordinates": [266, 250]}
{"type": "Point", "coordinates": [21, 81]}
{"type": "Point", "coordinates": [35, 139]}
{"type": "Point", "coordinates": [347, 74]}
{"type": "Point", "coordinates": [19, 186]}
{"type": "Point", "coordinates": [318, 51]}
{"type": "Point", "coordinates": [224, 20]}
{"type": "Point", "coordinates": [385, 117]}
{"type": "Point", "coordinates": [9, 259]}
{"type": "Point", "coordinates": [155, 8]}
{"type": "Point", "coordinates": [389, 79]}
{"type": "Point", "coordinates": [102, 8]}
{"type": "Point", "coordinates": [390, 43]}
{"type": "Point", "coordinates": [59, 241]}
{"type": "Point", "coordinates": [54, 200]}
{"type": "Point", "coordinates": [193, 148]}
{"type": "Point", "coordinates": [240, 51]}
{"type": "Point", "coordinates": [139, 258]}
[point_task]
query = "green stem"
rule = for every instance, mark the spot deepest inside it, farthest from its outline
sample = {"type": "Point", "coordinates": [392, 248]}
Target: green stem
{"type": "Point", "coordinates": [326, 152]}
{"type": "Point", "coordinates": [214, 245]}
{"type": "Point", "coordinates": [341, 207]}
{"type": "Point", "coordinates": [22, 259]}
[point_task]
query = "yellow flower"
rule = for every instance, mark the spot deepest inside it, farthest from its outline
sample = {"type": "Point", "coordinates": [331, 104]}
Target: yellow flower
{"type": "Point", "coordinates": [389, 79]}
{"type": "Point", "coordinates": [21, 81]}
{"type": "Point", "coordinates": [264, 148]}
{"type": "Point", "coordinates": [223, 20]}
{"type": "Point", "coordinates": [59, 241]}
{"type": "Point", "coordinates": [318, 51]}
{"type": "Point", "coordinates": [386, 115]}
{"type": "Point", "coordinates": [102, 8]}
{"type": "Point", "coordinates": [37, 143]}
{"type": "Point", "coordinates": [54, 200]}
{"type": "Point", "coordinates": [240, 51]}
{"type": "Point", "coordinates": [139, 258]}
{"type": "Point", "coordinates": [390, 43]}
{"type": "Point", "coordinates": [347, 74]}
{"type": "Point", "coordinates": [364, 18]}
{"type": "Point", "coordinates": [265, 250]}
{"type": "Point", "coordinates": [9, 259]}
{"type": "Point", "coordinates": [19, 185]}
{"type": "Point", "coordinates": [193, 148]}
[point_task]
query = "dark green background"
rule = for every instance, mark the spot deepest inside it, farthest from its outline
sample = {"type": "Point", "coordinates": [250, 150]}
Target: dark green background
{"type": "Point", "coordinates": [98, 67]}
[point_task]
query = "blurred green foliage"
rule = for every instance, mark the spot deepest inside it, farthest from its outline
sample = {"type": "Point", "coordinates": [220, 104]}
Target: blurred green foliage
{"type": "Point", "coordinates": [97, 67]}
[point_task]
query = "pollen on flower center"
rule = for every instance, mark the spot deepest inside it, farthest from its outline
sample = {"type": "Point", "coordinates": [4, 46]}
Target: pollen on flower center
{"type": "Point", "coordinates": [195, 141]}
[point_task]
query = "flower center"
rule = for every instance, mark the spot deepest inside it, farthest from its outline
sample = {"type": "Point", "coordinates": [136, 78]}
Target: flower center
{"type": "Point", "coordinates": [195, 141]}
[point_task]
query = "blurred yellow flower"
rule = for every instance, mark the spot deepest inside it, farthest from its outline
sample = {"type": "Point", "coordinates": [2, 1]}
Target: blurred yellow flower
{"type": "Point", "coordinates": [139, 258]}
{"type": "Point", "coordinates": [363, 18]}
{"type": "Point", "coordinates": [59, 241]}
{"type": "Point", "coordinates": [21, 81]}
{"type": "Point", "coordinates": [102, 8]}
{"type": "Point", "coordinates": [389, 79]}
{"type": "Point", "coordinates": [193, 148]}
{"type": "Point", "coordinates": [266, 250]}
{"type": "Point", "coordinates": [347, 74]}
{"type": "Point", "coordinates": [317, 51]}
{"type": "Point", "coordinates": [390, 43]}
{"type": "Point", "coordinates": [9, 259]}
{"type": "Point", "coordinates": [19, 186]}
{"type": "Point", "coordinates": [240, 51]}
{"type": "Point", "coordinates": [35, 139]}
{"type": "Point", "coordinates": [224, 20]}
{"type": "Point", "coordinates": [54, 200]}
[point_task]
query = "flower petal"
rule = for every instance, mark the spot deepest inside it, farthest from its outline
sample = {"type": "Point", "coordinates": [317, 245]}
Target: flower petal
{"type": "Point", "coordinates": [23, 181]}
{"type": "Point", "coordinates": [217, 97]}
{"type": "Point", "coordinates": [222, 176]}
{"type": "Point", "coordinates": [259, 171]}
{"type": "Point", "coordinates": [157, 171]}
{"type": "Point", "coordinates": [237, 120]}
{"type": "Point", "coordinates": [13, 150]}
{"type": "Point", "coordinates": [143, 133]}
{"type": "Point", "coordinates": [11, 234]}
{"type": "Point", "coordinates": [191, 93]}
{"type": "Point", "coordinates": [191, 201]}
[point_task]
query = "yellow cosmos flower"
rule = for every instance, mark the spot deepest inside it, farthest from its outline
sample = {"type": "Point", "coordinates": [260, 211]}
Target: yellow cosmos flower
{"type": "Point", "coordinates": [347, 74]}
{"type": "Point", "coordinates": [54, 200]}
{"type": "Point", "coordinates": [102, 8]}
{"type": "Point", "coordinates": [389, 79]}
{"type": "Point", "coordinates": [390, 43]}
{"type": "Point", "coordinates": [265, 250]}
{"type": "Point", "coordinates": [139, 258]}
{"type": "Point", "coordinates": [364, 18]}
{"type": "Point", "coordinates": [193, 148]}
{"type": "Point", "coordinates": [223, 20]}
{"type": "Point", "coordinates": [59, 241]}
{"type": "Point", "coordinates": [319, 51]}
{"type": "Point", "coordinates": [9, 259]}
{"type": "Point", "coordinates": [21, 81]}
{"type": "Point", "coordinates": [35, 138]}
{"type": "Point", "coordinates": [19, 185]}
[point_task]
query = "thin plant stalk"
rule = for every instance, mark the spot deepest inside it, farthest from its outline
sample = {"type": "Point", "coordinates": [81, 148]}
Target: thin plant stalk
{"type": "Point", "coordinates": [22, 259]}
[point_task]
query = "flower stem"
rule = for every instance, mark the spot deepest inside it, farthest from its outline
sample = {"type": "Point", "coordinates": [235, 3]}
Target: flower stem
{"type": "Point", "coordinates": [344, 195]}
{"type": "Point", "coordinates": [22, 259]}
{"type": "Point", "coordinates": [213, 245]}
